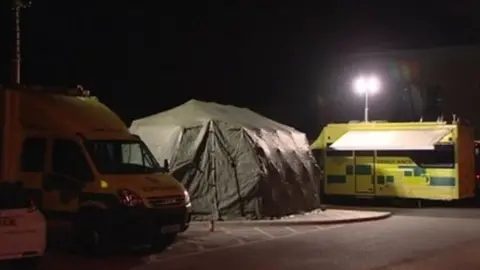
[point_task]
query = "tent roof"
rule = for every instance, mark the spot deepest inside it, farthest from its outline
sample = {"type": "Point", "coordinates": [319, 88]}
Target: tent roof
{"type": "Point", "coordinates": [194, 113]}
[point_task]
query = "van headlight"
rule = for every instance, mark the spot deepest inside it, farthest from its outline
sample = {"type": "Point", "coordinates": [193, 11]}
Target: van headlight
{"type": "Point", "coordinates": [186, 197]}
{"type": "Point", "coordinates": [129, 198]}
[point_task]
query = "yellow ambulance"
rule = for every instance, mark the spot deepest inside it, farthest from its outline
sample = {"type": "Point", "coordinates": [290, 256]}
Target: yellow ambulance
{"type": "Point", "coordinates": [79, 162]}
{"type": "Point", "coordinates": [420, 160]}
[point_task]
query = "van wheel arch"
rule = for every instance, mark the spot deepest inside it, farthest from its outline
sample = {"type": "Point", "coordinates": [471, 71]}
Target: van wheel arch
{"type": "Point", "coordinates": [88, 216]}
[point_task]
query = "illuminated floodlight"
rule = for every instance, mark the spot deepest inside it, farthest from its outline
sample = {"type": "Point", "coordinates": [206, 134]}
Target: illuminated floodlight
{"type": "Point", "coordinates": [367, 85]}
{"type": "Point", "coordinates": [360, 85]}
{"type": "Point", "coordinates": [370, 85]}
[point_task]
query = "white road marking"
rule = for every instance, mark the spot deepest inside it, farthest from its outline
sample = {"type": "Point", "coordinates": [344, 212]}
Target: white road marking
{"type": "Point", "coordinates": [225, 230]}
{"type": "Point", "coordinates": [228, 232]}
{"type": "Point", "coordinates": [198, 244]}
{"type": "Point", "coordinates": [290, 229]}
{"type": "Point", "coordinates": [157, 259]}
{"type": "Point", "coordinates": [328, 227]}
{"type": "Point", "coordinates": [264, 233]}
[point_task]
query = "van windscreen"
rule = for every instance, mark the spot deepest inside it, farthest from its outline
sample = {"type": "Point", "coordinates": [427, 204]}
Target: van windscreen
{"type": "Point", "coordinates": [122, 157]}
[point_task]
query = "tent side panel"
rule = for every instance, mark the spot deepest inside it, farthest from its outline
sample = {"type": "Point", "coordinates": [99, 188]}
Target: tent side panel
{"type": "Point", "coordinates": [236, 172]}
{"type": "Point", "coordinates": [163, 142]}
{"type": "Point", "coordinates": [293, 171]}
{"type": "Point", "coordinates": [312, 176]}
{"type": "Point", "coordinates": [192, 167]}
{"type": "Point", "coordinates": [283, 188]}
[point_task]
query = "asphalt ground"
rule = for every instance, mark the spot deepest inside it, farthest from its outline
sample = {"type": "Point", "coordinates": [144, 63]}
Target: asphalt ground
{"type": "Point", "coordinates": [428, 238]}
{"type": "Point", "coordinates": [436, 237]}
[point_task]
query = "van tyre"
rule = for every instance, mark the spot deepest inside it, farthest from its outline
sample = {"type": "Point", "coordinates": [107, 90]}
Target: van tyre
{"type": "Point", "coordinates": [163, 241]}
{"type": "Point", "coordinates": [90, 230]}
{"type": "Point", "coordinates": [28, 264]}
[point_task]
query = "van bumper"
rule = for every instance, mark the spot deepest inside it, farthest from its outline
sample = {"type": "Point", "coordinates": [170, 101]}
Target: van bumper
{"type": "Point", "coordinates": [144, 223]}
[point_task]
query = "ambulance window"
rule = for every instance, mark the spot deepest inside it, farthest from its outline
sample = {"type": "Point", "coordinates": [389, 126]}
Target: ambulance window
{"type": "Point", "coordinates": [33, 154]}
{"type": "Point", "coordinates": [68, 159]}
{"type": "Point", "coordinates": [442, 157]}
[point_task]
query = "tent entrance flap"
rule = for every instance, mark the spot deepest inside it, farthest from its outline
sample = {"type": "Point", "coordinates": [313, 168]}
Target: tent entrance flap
{"type": "Point", "coordinates": [418, 139]}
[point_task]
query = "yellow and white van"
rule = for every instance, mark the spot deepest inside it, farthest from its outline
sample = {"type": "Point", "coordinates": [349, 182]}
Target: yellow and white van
{"type": "Point", "coordinates": [79, 161]}
{"type": "Point", "coordinates": [417, 160]}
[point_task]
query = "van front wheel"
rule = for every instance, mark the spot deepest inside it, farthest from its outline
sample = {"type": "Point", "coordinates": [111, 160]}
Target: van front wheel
{"type": "Point", "coordinates": [90, 234]}
{"type": "Point", "coordinates": [163, 241]}
{"type": "Point", "coordinates": [28, 263]}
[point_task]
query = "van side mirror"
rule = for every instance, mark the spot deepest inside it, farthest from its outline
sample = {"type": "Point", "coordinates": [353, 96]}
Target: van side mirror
{"type": "Point", "coordinates": [166, 166]}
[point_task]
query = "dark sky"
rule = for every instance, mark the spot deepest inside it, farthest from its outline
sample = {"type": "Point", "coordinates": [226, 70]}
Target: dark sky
{"type": "Point", "coordinates": [143, 58]}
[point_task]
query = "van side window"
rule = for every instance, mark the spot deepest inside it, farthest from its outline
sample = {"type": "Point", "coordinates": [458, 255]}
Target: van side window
{"type": "Point", "coordinates": [68, 159]}
{"type": "Point", "coordinates": [33, 155]}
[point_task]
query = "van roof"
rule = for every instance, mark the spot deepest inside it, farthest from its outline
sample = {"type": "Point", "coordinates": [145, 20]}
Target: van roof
{"type": "Point", "coordinates": [56, 112]}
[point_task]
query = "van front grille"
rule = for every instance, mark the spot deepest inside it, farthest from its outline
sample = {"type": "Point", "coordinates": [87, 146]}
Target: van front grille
{"type": "Point", "coordinates": [159, 202]}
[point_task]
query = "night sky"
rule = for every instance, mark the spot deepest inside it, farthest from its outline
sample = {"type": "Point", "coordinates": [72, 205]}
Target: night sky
{"type": "Point", "coordinates": [271, 57]}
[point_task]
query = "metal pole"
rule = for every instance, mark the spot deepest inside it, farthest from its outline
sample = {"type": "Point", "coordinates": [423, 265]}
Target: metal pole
{"type": "Point", "coordinates": [366, 106]}
{"type": "Point", "coordinates": [16, 60]}
{"type": "Point", "coordinates": [18, 4]}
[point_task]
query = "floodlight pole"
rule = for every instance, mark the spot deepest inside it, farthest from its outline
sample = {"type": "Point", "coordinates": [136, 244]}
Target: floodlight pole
{"type": "Point", "coordinates": [366, 106]}
{"type": "Point", "coordinates": [17, 6]}
{"type": "Point", "coordinates": [16, 60]}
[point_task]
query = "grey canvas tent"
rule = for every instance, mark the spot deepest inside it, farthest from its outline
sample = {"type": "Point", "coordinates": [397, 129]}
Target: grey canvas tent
{"type": "Point", "coordinates": [233, 161]}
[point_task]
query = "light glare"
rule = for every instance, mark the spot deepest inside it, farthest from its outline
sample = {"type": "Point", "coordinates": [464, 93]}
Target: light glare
{"type": "Point", "coordinates": [373, 84]}
{"type": "Point", "coordinates": [360, 85]}
{"type": "Point", "coordinates": [363, 84]}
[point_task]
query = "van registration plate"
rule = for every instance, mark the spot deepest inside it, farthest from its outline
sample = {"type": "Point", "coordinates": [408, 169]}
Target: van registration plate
{"type": "Point", "coordinates": [170, 228]}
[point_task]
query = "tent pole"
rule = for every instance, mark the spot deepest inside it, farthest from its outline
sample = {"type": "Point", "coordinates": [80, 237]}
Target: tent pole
{"type": "Point", "coordinates": [215, 215]}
